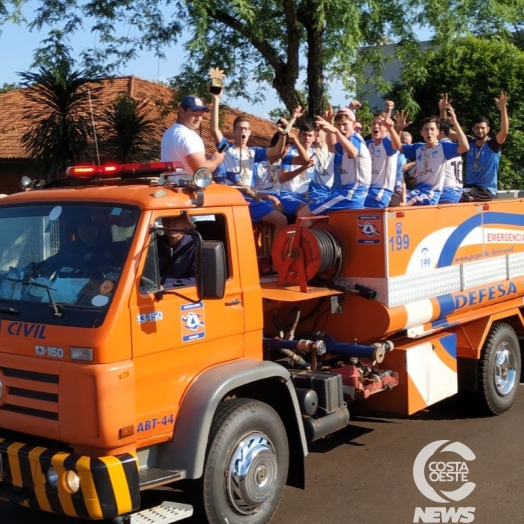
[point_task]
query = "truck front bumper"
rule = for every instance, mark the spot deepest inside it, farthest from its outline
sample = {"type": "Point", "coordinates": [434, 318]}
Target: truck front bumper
{"type": "Point", "coordinates": [37, 477]}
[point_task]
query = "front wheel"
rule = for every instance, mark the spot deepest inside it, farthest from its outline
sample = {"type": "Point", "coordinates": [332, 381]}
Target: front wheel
{"type": "Point", "coordinates": [247, 463]}
{"type": "Point", "coordinates": [499, 369]}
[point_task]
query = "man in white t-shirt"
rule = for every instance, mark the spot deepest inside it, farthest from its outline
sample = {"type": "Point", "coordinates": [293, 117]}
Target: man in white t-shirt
{"type": "Point", "coordinates": [181, 142]}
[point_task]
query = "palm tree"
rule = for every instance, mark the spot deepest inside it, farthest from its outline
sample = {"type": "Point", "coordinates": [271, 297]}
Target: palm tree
{"type": "Point", "coordinates": [127, 133]}
{"type": "Point", "coordinates": [60, 115]}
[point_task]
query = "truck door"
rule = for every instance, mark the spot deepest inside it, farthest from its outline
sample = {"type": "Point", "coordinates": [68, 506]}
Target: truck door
{"type": "Point", "coordinates": [175, 337]}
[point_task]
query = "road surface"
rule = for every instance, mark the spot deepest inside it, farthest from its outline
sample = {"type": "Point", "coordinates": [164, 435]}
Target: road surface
{"type": "Point", "coordinates": [365, 473]}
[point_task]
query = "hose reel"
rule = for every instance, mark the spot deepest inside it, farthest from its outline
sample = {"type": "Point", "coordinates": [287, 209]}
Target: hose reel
{"type": "Point", "coordinates": [308, 255]}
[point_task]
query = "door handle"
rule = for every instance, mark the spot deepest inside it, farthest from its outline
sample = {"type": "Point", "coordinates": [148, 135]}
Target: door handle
{"type": "Point", "coordinates": [234, 302]}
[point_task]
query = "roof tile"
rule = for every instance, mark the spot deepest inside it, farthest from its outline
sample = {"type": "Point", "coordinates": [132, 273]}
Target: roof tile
{"type": "Point", "coordinates": [13, 105]}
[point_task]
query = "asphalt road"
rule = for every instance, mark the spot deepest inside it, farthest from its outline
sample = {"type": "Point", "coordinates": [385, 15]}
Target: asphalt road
{"type": "Point", "coordinates": [365, 473]}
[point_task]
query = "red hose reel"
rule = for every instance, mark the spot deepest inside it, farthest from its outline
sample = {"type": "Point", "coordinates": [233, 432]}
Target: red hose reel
{"type": "Point", "coordinates": [302, 255]}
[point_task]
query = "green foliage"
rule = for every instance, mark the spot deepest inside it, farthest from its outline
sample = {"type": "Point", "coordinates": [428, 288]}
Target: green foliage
{"type": "Point", "coordinates": [59, 118]}
{"type": "Point", "coordinates": [9, 87]}
{"type": "Point", "coordinates": [287, 45]}
{"type": "Point", "coordinates": [127, 134]}
{"type": "Point", "coordinates": [473, 71]}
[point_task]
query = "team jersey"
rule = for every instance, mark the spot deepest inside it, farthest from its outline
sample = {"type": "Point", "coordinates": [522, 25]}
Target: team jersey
{"type": "Point", "coordinates": [431, 162]}
{"type": "Point", "coordinates": [482, 164]}
{"type": "Point", "coordinates": [240, 164]}
{"type": "Point", "coordinates": [452, 191]}
{"type": "Point", "coordinates": [266, 177]}
{"type": "Point", "coordinates": [324, 174]}
{"type": "Point", "coordinates": [453, 171]}
{"type": "Point", "coordinates": [383, 172]}
{"type": "Point", "coordinates": [300, 183]}
{"type": "Point", "coordinates": [354, 172]}
{"type": "Point", "coordinates": [401, 160]}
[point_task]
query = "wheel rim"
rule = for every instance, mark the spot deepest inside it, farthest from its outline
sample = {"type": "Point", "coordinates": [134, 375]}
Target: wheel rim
{"type": "Point", "coordinates": [505, 370]}
{"type": "Point", "coordinates": [251, 473]}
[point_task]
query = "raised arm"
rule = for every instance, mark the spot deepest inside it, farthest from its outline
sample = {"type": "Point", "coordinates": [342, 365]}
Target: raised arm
{"type": "Point", "coordinates": [501, 102]}
{"type": "Point", "coordinates": [442, 105]}
{"type": "Point", "coordinates": [348, 147]}
{"type": "Point", "coordinates": [395, 137]}
{"type": "Point", "coordinates": [463, 144]}
{"type": "Point", "coordinates": [401, 121]}
{"type": "Point", "coordinates": [215, 130]}
{"type": "Point", "coordinates": [275, 152]}
{"type": "Point", "coordinates": [389, 108]}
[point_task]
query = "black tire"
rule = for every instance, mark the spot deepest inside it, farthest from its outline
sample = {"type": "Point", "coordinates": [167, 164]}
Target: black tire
{"type": "Point", "coordinates": [246, 435]}
{"type": "Point", "coordinates": [499, 369]}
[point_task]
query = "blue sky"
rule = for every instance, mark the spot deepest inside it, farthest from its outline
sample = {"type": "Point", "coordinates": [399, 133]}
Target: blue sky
{"type": "Point", "coordinates": [17, 45]}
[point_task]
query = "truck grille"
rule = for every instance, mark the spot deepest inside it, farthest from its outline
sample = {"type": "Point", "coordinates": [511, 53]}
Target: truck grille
{"type": "Point", "coordinates": [31, 393]}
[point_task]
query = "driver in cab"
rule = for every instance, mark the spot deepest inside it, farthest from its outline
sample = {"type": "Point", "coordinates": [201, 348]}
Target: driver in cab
{"type": "Point", "coordinates": [176, 252]}
{"type": "Point", "coordinates": [86, 252]}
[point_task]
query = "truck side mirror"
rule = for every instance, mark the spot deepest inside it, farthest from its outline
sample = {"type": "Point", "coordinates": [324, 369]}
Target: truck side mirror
{"type": "Point", "coordinates": [211, 283]}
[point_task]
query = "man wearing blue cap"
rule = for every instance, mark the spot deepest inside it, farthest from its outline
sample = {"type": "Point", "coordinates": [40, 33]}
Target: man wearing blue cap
{"type": "Point", "coordinates": [181, 142]}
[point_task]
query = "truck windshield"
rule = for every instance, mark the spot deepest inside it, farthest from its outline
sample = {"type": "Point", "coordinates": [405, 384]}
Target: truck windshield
{"type": "Point", "coordinates": [62, 255]}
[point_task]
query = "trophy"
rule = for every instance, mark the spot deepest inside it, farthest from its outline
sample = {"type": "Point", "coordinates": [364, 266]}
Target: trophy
{"type": "Point", "coordinates": [217, 79]}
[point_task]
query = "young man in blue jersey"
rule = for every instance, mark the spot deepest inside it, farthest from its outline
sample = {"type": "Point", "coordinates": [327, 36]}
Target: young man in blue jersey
{"type": "Point", "coordinates": [431, 156]}
{"type": "Point", "coordinates": [483, 157]}
{"type": "Point", "coordinates": [353, 174]}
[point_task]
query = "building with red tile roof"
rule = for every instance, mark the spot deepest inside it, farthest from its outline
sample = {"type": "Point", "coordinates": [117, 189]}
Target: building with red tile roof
{"type": "Point", "coordinates": [15, 161]}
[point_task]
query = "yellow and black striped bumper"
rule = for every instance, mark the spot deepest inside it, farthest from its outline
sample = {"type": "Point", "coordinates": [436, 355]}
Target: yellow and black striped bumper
{"type": "Point", "coordinates": [109, 486]}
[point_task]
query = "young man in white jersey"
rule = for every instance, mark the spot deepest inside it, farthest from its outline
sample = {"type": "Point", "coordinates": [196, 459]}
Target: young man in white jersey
{"type": "Point", "coordinates": [295, 175]}
{"type": "Point", "coordinates": [239, 165]}
{"type": "Point", "coordinates": [266, 173]}
{"type": "Point", "coordinates": [352, 178]}
{"type": "Point", "coordinates": [431, 156]}
{"type": "Point", "coordinates": [182, 142]}
{"type": "Point", "coordinates": [383, 147]}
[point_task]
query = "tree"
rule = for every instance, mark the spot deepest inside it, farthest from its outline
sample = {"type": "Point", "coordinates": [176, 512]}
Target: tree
{"type": "Point", "coordinates": [127, 134]}
{"type": "Point", "coordinates": [9, 87]}
{"type": "Point", "coordinates": [59, 118]}
{"type": "Point", "coordinates": [473, 71]}
{"type": "Point", "coordinates": [261, 42]}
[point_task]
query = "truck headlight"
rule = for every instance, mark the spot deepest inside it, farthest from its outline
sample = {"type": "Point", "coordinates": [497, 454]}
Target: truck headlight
{"type": "Point", "coordinates": [70, 480]}
{"type": "Point", "coordinates": [202, 177]}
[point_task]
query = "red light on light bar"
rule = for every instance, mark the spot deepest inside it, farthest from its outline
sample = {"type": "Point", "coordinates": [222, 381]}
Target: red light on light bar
{"type": "Point", "coordinates": [78, 170]}
{"type": "Point", "coordinates": [124, 170]}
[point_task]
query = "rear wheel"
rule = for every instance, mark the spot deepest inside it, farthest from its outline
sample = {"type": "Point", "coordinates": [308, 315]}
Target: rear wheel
{"type": "Point", "coordinates": [499, 369]}
{"type": "Point", "coordinates": [247, 463]}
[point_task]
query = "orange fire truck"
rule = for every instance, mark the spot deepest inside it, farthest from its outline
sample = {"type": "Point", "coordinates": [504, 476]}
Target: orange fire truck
{"type": "Point", "coordinates": [111, 383]}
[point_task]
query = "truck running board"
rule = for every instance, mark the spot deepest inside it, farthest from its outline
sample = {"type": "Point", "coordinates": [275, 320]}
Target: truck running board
{"type": "Point", "coordinates": [165, 513]}
{"type": "Point", "coordinates": [154, 477]}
